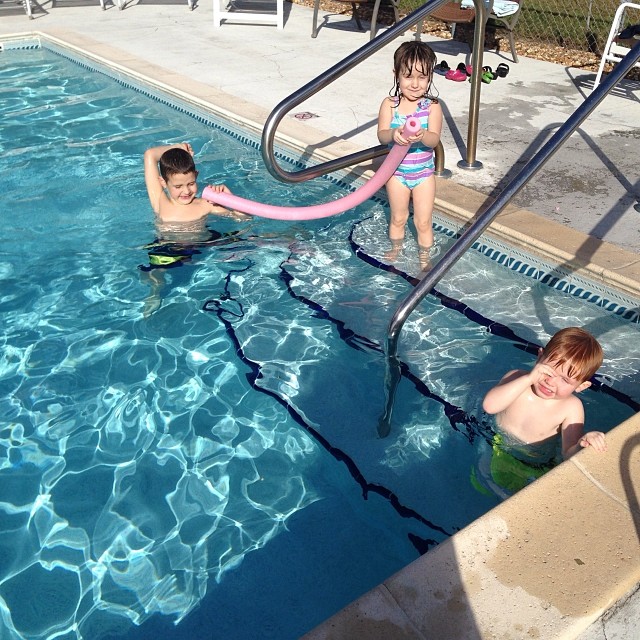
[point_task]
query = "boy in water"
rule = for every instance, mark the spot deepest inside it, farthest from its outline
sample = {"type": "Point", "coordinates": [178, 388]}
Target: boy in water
{"type": "Point", "coordinates": [170, 175]}
{"type": "Point", "coordinates": [181, 217]}
{"type": "Point", "coordinates": [533, 407]}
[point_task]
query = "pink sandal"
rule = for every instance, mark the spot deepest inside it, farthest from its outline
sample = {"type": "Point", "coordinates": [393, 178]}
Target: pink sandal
{"type": "Point", "coordinates": [456, 75]}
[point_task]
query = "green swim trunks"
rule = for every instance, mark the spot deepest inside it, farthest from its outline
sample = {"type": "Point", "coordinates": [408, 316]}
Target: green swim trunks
{"type": "Point", "coordinates": [510, 473]}
{"type": "Point", "coordinates": [165, 255]}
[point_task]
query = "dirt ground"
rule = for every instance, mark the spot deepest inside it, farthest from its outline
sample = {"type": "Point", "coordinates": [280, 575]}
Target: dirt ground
{"type": "Point", "coordinates": [495, 38]}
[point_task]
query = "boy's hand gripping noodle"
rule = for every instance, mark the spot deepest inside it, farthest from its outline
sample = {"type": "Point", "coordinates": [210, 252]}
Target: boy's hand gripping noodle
{"type": "Point", "coordinates": [313, 212]}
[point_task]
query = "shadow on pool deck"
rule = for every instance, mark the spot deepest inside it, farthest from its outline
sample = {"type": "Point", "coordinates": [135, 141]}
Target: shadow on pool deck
{"type": "Point", "coordinates": [547, 562]}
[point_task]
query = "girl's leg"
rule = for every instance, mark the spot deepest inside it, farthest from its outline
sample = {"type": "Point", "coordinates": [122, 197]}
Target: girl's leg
{"type": "Point", "coordinates": [424, 196]}
{"type": "Point", "coordinates": [399, 197]}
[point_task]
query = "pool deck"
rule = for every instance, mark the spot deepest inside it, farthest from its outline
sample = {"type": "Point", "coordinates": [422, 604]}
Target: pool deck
{"type": "Point", "coordinates": [552, 561]}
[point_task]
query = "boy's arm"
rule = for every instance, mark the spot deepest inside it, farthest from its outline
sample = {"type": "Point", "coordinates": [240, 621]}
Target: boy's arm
{"type": "Point", "coordinates": [512, 385]}
{"type": "Point", "coordinates": [155, 190]}
{"type": "Point", "coordinates": [506, 391]}
{"type": "Point", "coordinates": [573, 436]}
{"type": "Point", "coordinates": [219, 210]}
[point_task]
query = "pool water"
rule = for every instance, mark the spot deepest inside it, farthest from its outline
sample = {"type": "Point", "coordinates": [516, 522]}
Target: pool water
{"type": "Point", "coordinates": [193, 453]}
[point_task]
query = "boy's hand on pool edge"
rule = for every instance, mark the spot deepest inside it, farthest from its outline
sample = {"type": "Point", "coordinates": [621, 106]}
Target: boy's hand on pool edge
{"type": "Point", "coordinates": [595, 439]}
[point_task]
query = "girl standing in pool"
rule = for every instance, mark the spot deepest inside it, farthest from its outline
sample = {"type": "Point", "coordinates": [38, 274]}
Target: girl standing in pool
{"type": "Point", "coordinates": [414, 179]}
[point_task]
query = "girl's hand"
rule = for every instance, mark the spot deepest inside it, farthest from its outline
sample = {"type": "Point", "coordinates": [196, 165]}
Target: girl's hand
{"type": "Point", "coordinates": [398, 139]}
{"type": "Point", "coordinates": [595, 439]}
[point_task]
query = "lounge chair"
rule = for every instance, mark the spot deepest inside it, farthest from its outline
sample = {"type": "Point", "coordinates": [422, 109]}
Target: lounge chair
{"type": "Point", "coordinates": [248, 11]}
{"type": "Point", "coordinates": [16, 7]}
{"type": "Point", "coordinates": [355, 5]}
{"type": "Point", "coordinates": [619, 43]}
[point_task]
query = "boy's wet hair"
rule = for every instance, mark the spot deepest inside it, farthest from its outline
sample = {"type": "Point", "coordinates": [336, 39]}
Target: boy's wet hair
{"type": "Point", "coordinates": [176, 161]}
{"type": "Point", "coordinates": [407, 56]}
{"type": "Point", "coordinates": [576, 347]}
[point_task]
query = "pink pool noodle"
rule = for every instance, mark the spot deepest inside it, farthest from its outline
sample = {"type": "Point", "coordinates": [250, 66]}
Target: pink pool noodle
{"type": "Point", "coordinates": [313, 212]}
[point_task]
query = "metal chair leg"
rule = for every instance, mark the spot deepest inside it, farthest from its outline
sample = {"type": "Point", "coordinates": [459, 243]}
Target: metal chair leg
{"type": "Point", "coordinates": [356, 17]}
{"type": "Point", "coordinates": [314, 26]}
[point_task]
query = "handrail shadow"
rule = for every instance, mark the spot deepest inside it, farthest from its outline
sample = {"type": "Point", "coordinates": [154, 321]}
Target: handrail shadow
{"type": "Point", "coordinates": [626, 476]}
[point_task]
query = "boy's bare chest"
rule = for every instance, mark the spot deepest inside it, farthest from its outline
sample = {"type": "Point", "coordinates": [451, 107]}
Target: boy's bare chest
{"type": "Point", "coordinates": [171, 212]}
{"type": "Point", "coordinates": [532, 419]}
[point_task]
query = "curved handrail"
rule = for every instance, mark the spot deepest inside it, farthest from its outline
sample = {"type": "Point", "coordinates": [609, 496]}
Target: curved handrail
{"type": "Point", "coordinates": [466, 239]}
{"type": "Point", "coordinates": [339, 69]}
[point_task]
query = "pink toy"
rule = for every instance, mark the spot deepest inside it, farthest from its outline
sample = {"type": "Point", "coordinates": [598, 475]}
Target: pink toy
{"type": "Point", "coordinates": [313, 212]}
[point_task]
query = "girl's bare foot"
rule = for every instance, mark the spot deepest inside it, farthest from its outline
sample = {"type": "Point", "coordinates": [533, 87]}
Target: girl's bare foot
{"type": "Point", "coordinates": [425, 254]}
{"type": "Point", "coordinates": [394, 252]}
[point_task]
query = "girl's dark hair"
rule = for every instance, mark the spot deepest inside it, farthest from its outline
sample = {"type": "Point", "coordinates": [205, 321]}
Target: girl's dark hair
{"type": "Point", "coordinates": [176, 160]}
{"type": "Point", "coordinates": [407, 55]}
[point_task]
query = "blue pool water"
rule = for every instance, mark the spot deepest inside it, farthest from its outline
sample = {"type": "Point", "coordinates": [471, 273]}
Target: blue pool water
{"type": "Point", "coordinates": [211, 468]}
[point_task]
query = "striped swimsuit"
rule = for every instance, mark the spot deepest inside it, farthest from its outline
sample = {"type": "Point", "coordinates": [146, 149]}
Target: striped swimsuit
{"type": "Point", "coordinates": [418, 163]}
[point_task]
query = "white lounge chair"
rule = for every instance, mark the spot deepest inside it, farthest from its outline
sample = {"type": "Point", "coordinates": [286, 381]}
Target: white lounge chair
{"type": "Point", "coordinates": [248, 11]}
{"type": "Point", "coordinates": [614, 50]}
{"type": "Point", "coordinates": [16, 6]}
{"type": "Point", "coordinates": [121, 4]}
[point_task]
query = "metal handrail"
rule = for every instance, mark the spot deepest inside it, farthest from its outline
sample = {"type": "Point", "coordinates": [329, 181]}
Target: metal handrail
{"type": "Point", "coordinates": [352, 60]}
{"type": "Point", "coordinates": [466, 239]}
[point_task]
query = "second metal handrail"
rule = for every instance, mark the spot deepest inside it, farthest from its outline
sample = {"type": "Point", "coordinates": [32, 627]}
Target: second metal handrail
{"type": "Point", "coordinates": [339, 69]}
{"type": "Point", "coordinates": [468, 237]}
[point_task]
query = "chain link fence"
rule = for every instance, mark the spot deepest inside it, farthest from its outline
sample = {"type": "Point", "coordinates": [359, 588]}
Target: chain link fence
{"type": "Point", "coordinates": [576, 25]}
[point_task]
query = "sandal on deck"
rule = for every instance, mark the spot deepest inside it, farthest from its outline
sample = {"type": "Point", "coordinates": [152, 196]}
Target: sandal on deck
{"type": "Point", "coordinates": [487, 75]}
{"type": "Point", "coordinates": [456, 75]}
{"type": "Point", "coordinates": [502, 70]}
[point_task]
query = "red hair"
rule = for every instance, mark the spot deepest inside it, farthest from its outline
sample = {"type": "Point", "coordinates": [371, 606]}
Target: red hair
{"type": "Point", "coordinates": [576, 347]}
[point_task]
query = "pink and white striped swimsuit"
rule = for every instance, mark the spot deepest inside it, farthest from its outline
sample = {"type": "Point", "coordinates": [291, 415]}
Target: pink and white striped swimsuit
{"type": "Point", "coordinates": [418, 163]}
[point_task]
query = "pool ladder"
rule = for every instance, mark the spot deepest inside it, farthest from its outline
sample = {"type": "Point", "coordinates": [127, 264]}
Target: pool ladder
{"type": "Point", "coordinates": [393, 371]}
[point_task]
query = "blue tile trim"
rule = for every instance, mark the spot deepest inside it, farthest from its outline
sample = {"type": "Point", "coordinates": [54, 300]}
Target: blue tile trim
{"type": "Point", "coordinates": [506, 256]}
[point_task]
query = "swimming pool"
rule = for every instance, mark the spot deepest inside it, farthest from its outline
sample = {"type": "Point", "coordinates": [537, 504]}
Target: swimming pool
{"type": "Point", "coordinates": [215, 462]}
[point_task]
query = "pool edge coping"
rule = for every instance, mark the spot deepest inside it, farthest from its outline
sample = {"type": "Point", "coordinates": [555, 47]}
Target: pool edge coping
{"type": "Point", "coordinates": [613, 266]}
{"type": "Point", "coordinates": [540, 564]}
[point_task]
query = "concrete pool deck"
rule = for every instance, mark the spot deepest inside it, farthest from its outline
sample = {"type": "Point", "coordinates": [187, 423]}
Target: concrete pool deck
{"type": "Point", "coordinates": [552, 561]}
